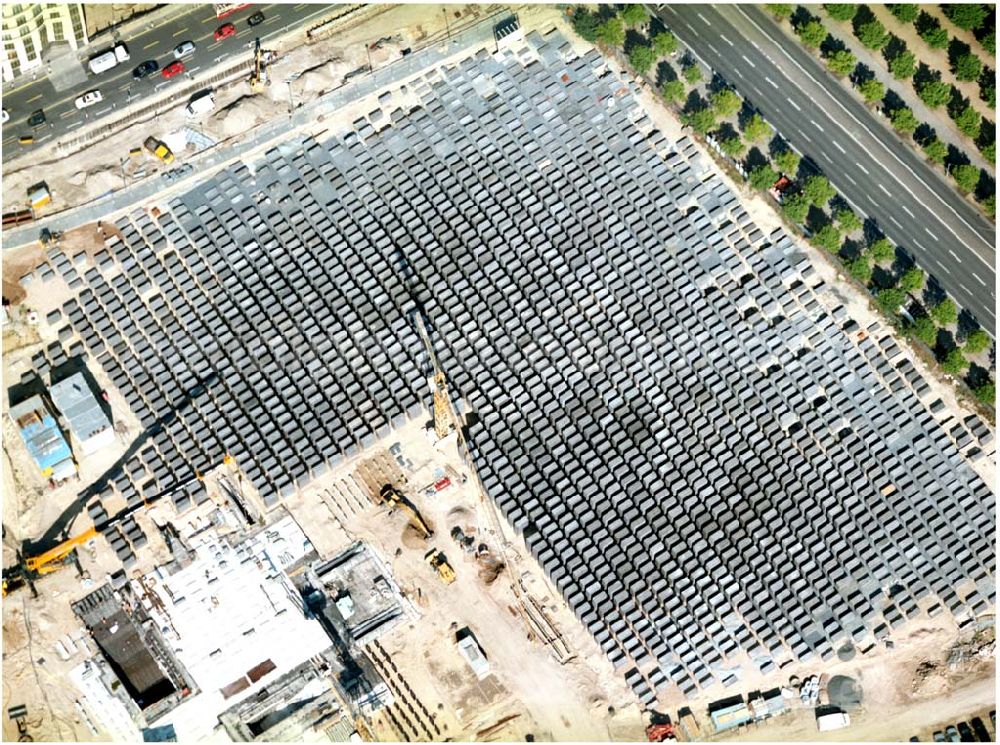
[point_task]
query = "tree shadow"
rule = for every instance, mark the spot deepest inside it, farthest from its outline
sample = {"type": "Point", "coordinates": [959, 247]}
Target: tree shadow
{"type": "Point", "coordinates": [863, 16]}
{"type": "Point", "coordinates": [967, 323]}
{"type": "Point", "coordinates": [987, 133]}
{"type": "Point", "coordinates": [656, 26]}
{"type": "Point", "coordinates": [665, 72]}
{"type": "Point", "coordinates": [957, 103]}
{"type": "Point", "coordinates": [924, 74]}
{"type": "Point", "coordinates": [830, 45]}
{"type": "Point", "coordinates": [816, 218]}
{"type": "Point", "coordinates": [606, 12]}
{"type": "Point", "coordinates": [808, 167]}
{"type": "Point", "coordinates": [933, 292]}
{"type": "Point", "coordinates": [634, 39]}
{"type": "Point", "coordinates": [924, 134]}
{"type": "Point", "coordinates": [976, 376]}
{"type": "Point", "coordinates": [717, 83]}
{"type": "Point", "coordinates": [882, 278]}
{"type": "Point", "coordinates": [754, 158]}
{"type": "Point", "coordinates": [851, 249]}
{"type": "Point", "coordinates": [892, 101]}
{"type": "Point", "coordinates": [871, 230]}
{"type": "Point", "coordinates": [955, 157]}
{"type": "Point", "coordinates": [944, 343]}
{"type": "Point", "coordinates": [801, 16]}
{"type": "Point", "coordinates": [957, 49]}
{"type": "Point", "coordinates": [745, 113]}
{"type": "Point", "coordinates": [862, 74]}
{"type": "Point", "coordinates": [694, 101]}
{"type": "Point", "coordinates": [893, 49]}
{"type": "Point", "coordinates": [902, 261]}
{"type": "Point", "coordinates": [925, 22]}
{"type": "Point", "coordinates": [987, 185]}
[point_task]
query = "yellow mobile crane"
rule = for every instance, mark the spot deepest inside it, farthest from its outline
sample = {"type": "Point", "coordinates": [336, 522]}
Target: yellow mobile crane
{"type": "Point", "coordinates": [445, 418]}
{"type": "Point", "coordinates": [30, 568]}
{"type": "Point", "coordinates": [259, 78]}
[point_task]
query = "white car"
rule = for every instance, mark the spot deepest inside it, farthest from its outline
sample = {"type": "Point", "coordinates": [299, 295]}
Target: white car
{"type": "Point", "coordinates": [6, 116]}
{"type": "Point", "coordinates": [89, 99]}
{"type": "Point", "coordinates": [184, 49]}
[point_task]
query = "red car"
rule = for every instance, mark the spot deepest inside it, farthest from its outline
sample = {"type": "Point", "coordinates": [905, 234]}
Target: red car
{"type": "Point", "coordinates": [225, 30]}
{"type": "Point", "coordinates": [174, 68]}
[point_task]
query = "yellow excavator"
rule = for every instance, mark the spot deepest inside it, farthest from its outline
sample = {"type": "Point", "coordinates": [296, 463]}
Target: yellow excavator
{"type": "Point", "coordinates": [391, 496]}
{"type": "Point", "coordinates": [439, 561]}
{"type": "Point", "coordinates": [31, 568]}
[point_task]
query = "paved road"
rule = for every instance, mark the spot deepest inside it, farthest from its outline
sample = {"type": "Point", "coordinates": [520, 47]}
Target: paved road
{"type": "Point", "coordinates": [119, 87]}
{"type": "Point", "coordinates": [870, 167]}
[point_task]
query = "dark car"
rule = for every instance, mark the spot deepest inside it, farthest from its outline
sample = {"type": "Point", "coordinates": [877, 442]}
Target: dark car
{"type": "Point", "coordinates": [36, 119]}
{"type": "Point", "coordinates": [965, 732]}
{"type": "Point", "coordinates": [146, 69]}
{"type": "Point", "coordinates": [256, 19]}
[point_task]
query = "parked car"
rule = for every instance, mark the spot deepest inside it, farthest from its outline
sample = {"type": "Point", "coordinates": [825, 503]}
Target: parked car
{"type": "Point", "coordinates": [6, 116]}
{"type": "Point", "coordinates": [173, 69]}
{"type": "Point", "coordinates": [88, 99]}
{"type": "Point", "coordinates": [225, 31]}
{"type": "Point", "coordinates": [145, 69]}
{"type": "Point", "coordinates": [965, 732]}
{"type": "Point", "coordinates": [951, 732]}
{"type": "Point", "coordinates": [939, 737]}
{"type": "Point", "coordinates": [36, 119]}
{"type": "Point", "coordinates": [184, 49]}
{"type": "Point", "coordinates": [256, 19]}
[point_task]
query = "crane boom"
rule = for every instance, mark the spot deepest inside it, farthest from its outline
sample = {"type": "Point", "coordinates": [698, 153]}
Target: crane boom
{"type": "Point", "coordinates": [444, 411]}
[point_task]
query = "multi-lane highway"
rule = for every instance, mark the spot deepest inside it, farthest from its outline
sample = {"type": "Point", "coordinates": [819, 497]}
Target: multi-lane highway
{"type": "Point", "coordinates": [867, 163]}
{"type": "Point", "coordinates": [118, 86]}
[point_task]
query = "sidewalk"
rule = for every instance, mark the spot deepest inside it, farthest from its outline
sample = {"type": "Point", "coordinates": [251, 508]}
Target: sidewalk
{"type": "Point", "coordinates": [271, 134]}
{"type": "Point", "coordinates": [937, 118]}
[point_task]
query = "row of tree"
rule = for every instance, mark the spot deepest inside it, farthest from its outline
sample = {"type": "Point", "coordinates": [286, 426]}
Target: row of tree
{"type": "Point", "coordinates": [928, 85]}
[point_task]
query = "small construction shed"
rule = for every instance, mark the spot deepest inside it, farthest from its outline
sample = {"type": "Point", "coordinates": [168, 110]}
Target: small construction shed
{"type": "Point", "coordinates": [84, 415]}
{"type": "Point", "coordinates": [43, 438]}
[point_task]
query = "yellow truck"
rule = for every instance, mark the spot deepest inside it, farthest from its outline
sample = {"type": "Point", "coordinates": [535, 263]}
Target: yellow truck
{"type": "Point", "coordinates": [157, 148]}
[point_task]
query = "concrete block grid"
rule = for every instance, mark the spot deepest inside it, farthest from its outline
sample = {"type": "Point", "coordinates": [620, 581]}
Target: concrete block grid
{"type": "Point", "coordinates": [704, 459]}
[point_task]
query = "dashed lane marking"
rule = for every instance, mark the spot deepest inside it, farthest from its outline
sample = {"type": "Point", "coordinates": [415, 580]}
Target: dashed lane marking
{"type": "Point", "coordinates": [771, 82]}
{"type": "Point", "coordinates": [946, 269]}
{"type": "Point", "coordinates": [848, 177]}
{"type": "Point", "coordinates": [967, 290]}
{"type": "Point", "coordinates": [807, 138]}
{"type": "Point", "coordinates": [837, 145]}
{"type": "Point", "coordinates": [816, 125]}
{"type": "Point", "coordinates": [978, 279]}
{"type": "Point", "coordinates": [151, 45]}
{"type": "Point", "coordinates": [712, 47]}
{"type": "Point", "coordinates": [793, 104]}
{"type": "Point", "coordinates": [928, 231]}
{"type": "Point", "coordinates": [884, 190]}
{"type": "Point", "coordinates": [747, 60]}
{"type": "Point", "coordinates": [894, 221]}
{"type": "Point", "coordinates": [725, 40]}
{"type": "Point", "coordinates": [34, 99]}
{"type": "Point", "coordinates": [862, 169]}
{"type": "Point", "coordinates": [703, 19]}
{"type": "Point", "coordinates": [954, 256]}
{"type": "Point", "coordinates": [907, 210]}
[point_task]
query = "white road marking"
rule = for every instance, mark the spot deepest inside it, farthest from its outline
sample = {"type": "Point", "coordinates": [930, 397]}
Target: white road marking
{"type": "Point", "coordinates": [793, 104]}
{"type": "Point", "coordinates": [804, 135]}
{"type": "Point", "coordinates": [894, 221]}
{"type": "Point", "coordinates": [946, 269]}
{"type": "Point", "coordinates": [862, 168]}
{"type": "Point", "coordinates": [980, 281]}
{"type": "Point", "coordinates": [967, 290]}
{"type": "Point", "coordinates": [692, 30]}
{"type": "Point", "coordinates": [884, 190]}
{"type": "Point", "coordinates": [816, 125]}
{"type": "Point", "coordinates": [848, 177]}
{"type": "Point", "coordinates": [77, 123]}
{"type": "Point", "coordinates": [759, 92]}
{"type": "Point", "coordinates": [920, 245]}
{"type": "Point", "coordinates": [725, 40]}
{"type": "Point", "coordinates": [747, 60]}
{"type": "Point", "coordinates": [194, 69]}
{"type": "Point", "coordinates": [871, 199]}
{"type": "Point", "coordinates": [907, 210]}
{"type": "Point", "coordinates": [954, 256]}
{"type": "Point", "coordinates": [989, 243]}
{"type": "Point", "coordinates": [738, 72]}
{"type": "Point", "coordinates": [837, 145]}
{"type": "Point", "coordinates": [825, 155]}
{"type": "Point", "coordinates": [773, 84]}
{"type": "Point", "coordinates": [703, 19]}
{"type": "Point", "coordinates": [928, 231]}
{"type": "Point", "coordinates": [710, 46]}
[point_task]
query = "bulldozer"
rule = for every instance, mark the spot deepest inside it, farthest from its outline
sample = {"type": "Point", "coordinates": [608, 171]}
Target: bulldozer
{"type": "Point", "coordinates": [439, 561]}
{"type": "Point", "coordinates": [391, 496]}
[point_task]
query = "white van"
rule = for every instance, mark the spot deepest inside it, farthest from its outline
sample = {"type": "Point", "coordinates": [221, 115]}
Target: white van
{"type": "Point", "coordinates": [200, 103]}
{"type": "Point", "coordinates": [109, 59]}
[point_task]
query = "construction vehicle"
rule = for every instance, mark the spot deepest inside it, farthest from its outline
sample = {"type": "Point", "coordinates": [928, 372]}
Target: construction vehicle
{"type": "Point", "coordinates": [259, 79]}
{"type": "Point", "coordinates": [391, 496]}
{"type": "Point", "coordinates": [159, 150]}
{"type": "Point", "coordinates": [689, 724]}
{"type": "Point", "coordinates": [27, 570]}
{"type": "Point", "coordinates": [445, 418]}
{"type": "Point", "coordinates": [439, 561]}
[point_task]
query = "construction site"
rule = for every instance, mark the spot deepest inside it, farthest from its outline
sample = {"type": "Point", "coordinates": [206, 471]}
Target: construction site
{"type": "Point", "coordinates": [488, 408]}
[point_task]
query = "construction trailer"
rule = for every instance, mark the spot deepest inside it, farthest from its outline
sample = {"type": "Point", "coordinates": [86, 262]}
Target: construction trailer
{"type": "Point", "coordinates": [83, 413]}
{"type": "Point", "coordinates": [43, 438]}
{"type": "Point", "coordinates": [731, 717]}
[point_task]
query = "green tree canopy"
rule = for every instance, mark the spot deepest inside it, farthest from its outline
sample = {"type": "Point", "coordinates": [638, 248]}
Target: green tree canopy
{"type": "Point", "coordinates": [990, 205]}
{"type": "Point", "coordinates": [969, 121]}
{"type": "Point", "coordinates": [923, 328]}
{"type": "Point", "coordinates": [701, 121]}
{"type": "Point", "coordinates": [673, 90]}
{"type": "Point", "coordinates": [966, 16]}
{"type": "Point", "coordinates": [611, 33]}
{"type": "Point", "coordinates": [664, 43]}
{"type": "Point", "coordinates": [903, 65]}
{"type": "Point", "coordinates": [968, 67]}
{"type": "Point", "coordinates": [841, 11]}
{"type": "Point", "coordinates": [934, 93]}
{"type": "Point", "coordinates": [977, 341]}
{"type": "Point", "coordinates": [725, 102]}
{"type": "Point", "coordinates": [861, 269]}
{"type": "Point", "coordinates": [873, 35]}
{"type": "Point", "coordinates": [585, 23]}
{"type": "Point", "coordinates": [641, 57]}
{"type": "Point", "coordinates": [935, 150]}
{"type": "Point", "coordinates": [787, 162]}
{"type": "Point", "coordinates": [795, 207]}
{"type": "Point", "coordinates": [818, 190]}
{"type": "Point", "coordinates": [692, 73]}
{"type": "Point", "coordinates": [945, 313]}
{"type": "Point", "coordinates": [966, 176]}
{"type": "Point", "coordinates": [827, 238]}
{"type": "Point", "coordinates": [757, 129]}
{"type": "Point", "coordinates": [986, 393]}
{"type": "Point", "coordinates": [905, 13]}
{"type": "Point", "coordinates": [903, 120]}
{"type": "Point", "coordinates": [912, 279]}
{"type": "Point", "coordinates": [779, 10]}
{"type": "Point", "coordinates": [841, 62]}
{"type": "Point", "coordinates": [635, 15]}
{"type": "Point", "coordinates": [763, 177]}
{"type": "Point", "coordinates": [733, 146]}
{"type": "Point", "coordinates": [890, 299]}
{"type": "Point", "coordinates": [931, 32]}
{"type": "Point", "coordinates": [882, 250]}
{"type": "Point", "coordinates": [954, 363]}
{"type": "Point", "coordinates": [813, 34]}
{"type": "Point", "coordinates": [847, 220]}
{"type": "Point", "coordinates": [873, 90]}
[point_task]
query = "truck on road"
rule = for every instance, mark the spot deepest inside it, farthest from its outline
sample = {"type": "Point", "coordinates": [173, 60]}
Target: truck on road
{"type": "Point", "coordinates": [159, 149]}
{"type": "Point", "coordinates": [109, 58]}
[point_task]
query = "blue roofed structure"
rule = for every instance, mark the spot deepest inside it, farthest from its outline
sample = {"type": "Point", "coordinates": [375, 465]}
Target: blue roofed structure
{"type": "Point", "coordinates": [43, 438]}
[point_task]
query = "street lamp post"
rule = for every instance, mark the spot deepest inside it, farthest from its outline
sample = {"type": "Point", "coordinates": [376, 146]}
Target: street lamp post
{"type": "Point", "coordinates": [291, 106]}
